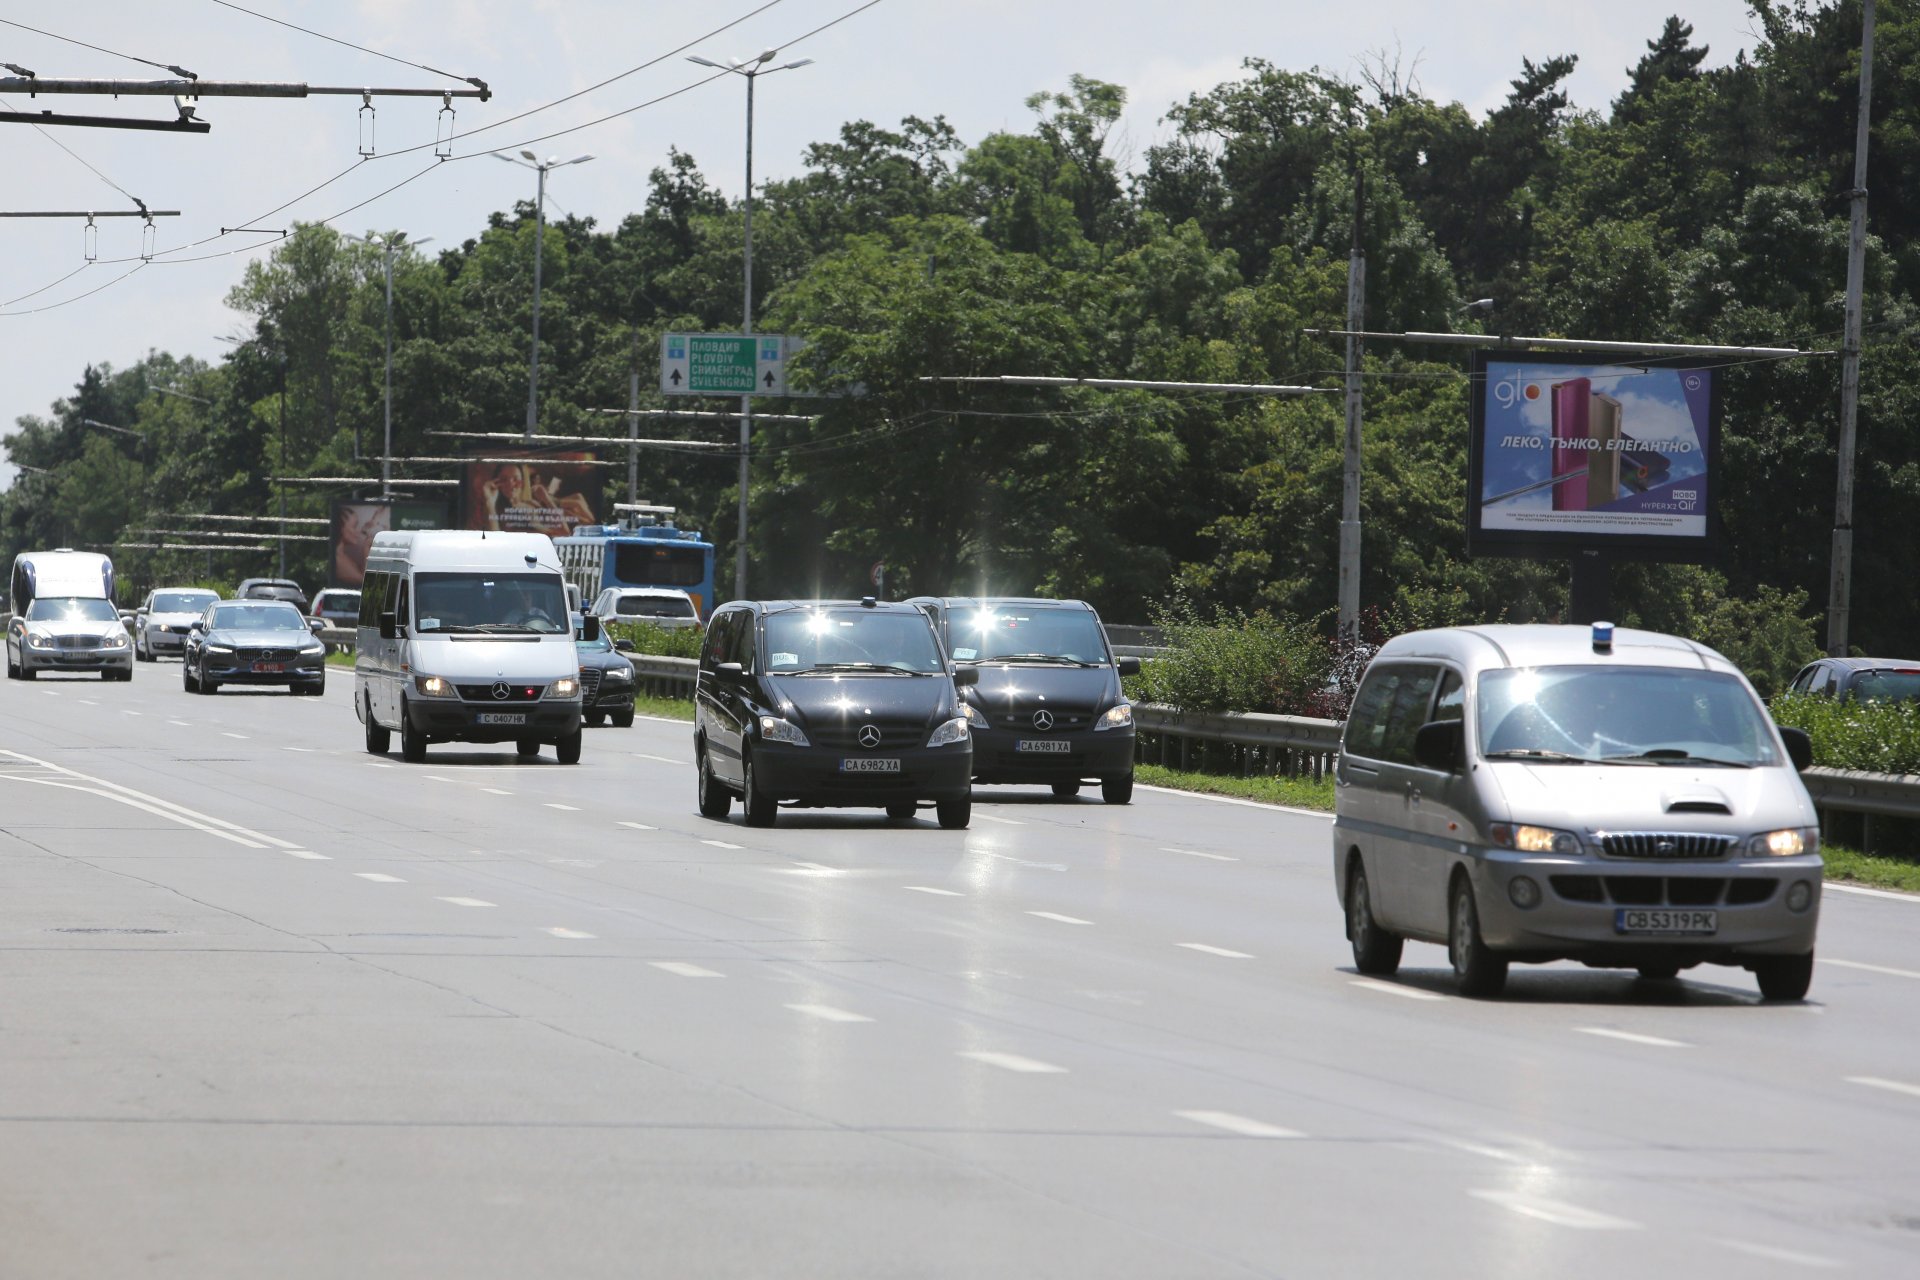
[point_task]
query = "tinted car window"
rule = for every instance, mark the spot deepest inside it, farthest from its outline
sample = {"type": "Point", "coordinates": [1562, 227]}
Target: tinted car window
{"type": "Point", "coordinates": [1451, 704]}
{"type": "Point", "coordinates": [1885, 686]}
{"type": "Point", "coordinates": [1408, 711]}
{"type": "Point", "coordinates": [258, 617]}
{"type": "Point", "coordinates": [850, 639]}
{"type": "Point", "coordinates": [653, 607]}
{"type": "Point", "coordinates": [714, 651]}
{"type": "Point", "coordinates": [979, 635]}
{"type": "Point", "coordinates": [181, 601]}
{"type": "Point", "coordinates": [1389, 710]}
{"type": "Point", "coordinates": [1367, 722]}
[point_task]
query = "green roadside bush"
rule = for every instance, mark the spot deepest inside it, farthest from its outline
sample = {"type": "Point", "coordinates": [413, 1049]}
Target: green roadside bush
{"type": "Point", "coordinates": [1880, 737]}
{"type": "Point", "coordinates": [659, 641]}
{"type": "Point", "coordinates": [1238, 662]}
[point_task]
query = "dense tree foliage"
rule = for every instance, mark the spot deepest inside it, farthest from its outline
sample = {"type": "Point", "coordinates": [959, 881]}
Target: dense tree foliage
{"type": "Point", "coordinates": [1702, 205]}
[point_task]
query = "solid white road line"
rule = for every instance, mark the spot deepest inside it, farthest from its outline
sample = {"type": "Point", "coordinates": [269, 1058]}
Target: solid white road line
{"type": "Point", "coordinates": [1781, 1255]}
{"type": "Point", "coordinates": [1633, 1037]}
{"type": "Point", "coordinates": [88, 702]}
{"type": "Point", "coordinates": [1241, 1125]}
{"type": "Point", "coordinates": [1558, 1212]}
{"type": "Point", "coordinates": [570, 808]}
{"type": "Point", "coordinates": [722, 844]}
{"type": "Point", "coordinates": [685, 970]}
{"type": "Point", "coordinates": [1055, 915]}
{"type": "Point", "coordinates": [1014, 1062]}
{"type": "Point", "coordinates": [1394, 989]}
{"type": "Point", "coordinates": [1214, 951]}
{"type": "Point", "coordinates": [1868, 968]}
{"type": "Point", "coordinates": [1005, 822]}
{"type": "Point", "coordinates": [1893, 1086]}
{"type": "Point", "coordinates": [1251, 804]}
{"type": "Point", "coordinates": [664, 720]}
{"type": "Point", "coordinates": [1871, 893]}
{"type": "Point", "coordinates": [927, 888]}
{"type": "Point", "coordinates": [379, 877]}
{"type": "Point", "coordinates": [308, 854]}
{"type": "Point", "coordinates": [430, 777]}
{"type": "Point", "coordinates": [1196, 853]}
{"type": "Point", "coordinates": [827, 1013]}
{"type": "Point", "coordinates": [638, 826]}
{"type": "Point", "coordinates": [220, 827]}
{"type": "Point", "coordinates": [559, 932]}
{"type": "Point", "coordinates": [467, 902]}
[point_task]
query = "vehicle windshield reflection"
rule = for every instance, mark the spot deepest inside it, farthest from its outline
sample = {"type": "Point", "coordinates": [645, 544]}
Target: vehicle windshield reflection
{"type": "Point", "coordinates": [1623, 715]}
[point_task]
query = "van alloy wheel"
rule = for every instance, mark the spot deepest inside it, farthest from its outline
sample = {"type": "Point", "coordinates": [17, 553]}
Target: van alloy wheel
{"type": "Point", "coordinates": [1375, 950]}
{"type": "Point", "coordinates": [1480, 972]}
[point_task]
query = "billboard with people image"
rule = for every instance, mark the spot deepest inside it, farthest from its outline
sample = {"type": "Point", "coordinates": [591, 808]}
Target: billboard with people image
{"type": "Point", "coordinates": [550, 493]}
{"type": "Point", "coordinates": [356, 521]}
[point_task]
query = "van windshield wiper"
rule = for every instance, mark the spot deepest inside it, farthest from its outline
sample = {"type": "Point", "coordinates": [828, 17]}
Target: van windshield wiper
{"type": "Point", "coordinates": [1677, 755]}
{"type": "Point", "coordinates": [864, 666]}
{"type": "Point", "coordinates": [508, 628]}
{"type": "Point", "coordinates": [1038, 657]}
{"type": "Point", "coordinates": [1540, 754]}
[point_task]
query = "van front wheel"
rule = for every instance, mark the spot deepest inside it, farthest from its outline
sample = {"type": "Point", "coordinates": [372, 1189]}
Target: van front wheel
{"type": "Point", "coordinates": [568, 748]}
{"type": "Point", "coordinates": [1480, 972]}
{"type": "Point", "coordinates": [1784, 977]}
{"type": "Point", "coordinates": [1375, 950]}
{"type": "Point", "coordinates": [413, 742]}
{"type": "Point", "coordinates": [379, 737]}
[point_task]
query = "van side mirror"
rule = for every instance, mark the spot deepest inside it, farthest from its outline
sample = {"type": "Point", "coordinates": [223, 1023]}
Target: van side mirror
{"type": "Point", "coordinates": [389, 626]}
{"type": "Point", "coordinates": [1127, 666]}
{"type": "Point", "coordinates": [1441, 745]}
{"type": "Point", "coordinates": [1799, 747]}
{"type": "Point", "coordinates": [589, 627]}
{"type": "Point", "coordinates": [964, 677]}
{"type": "Point", "coordinates": [730, 670]}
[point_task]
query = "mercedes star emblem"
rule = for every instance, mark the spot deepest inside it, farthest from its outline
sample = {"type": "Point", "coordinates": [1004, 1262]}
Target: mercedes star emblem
{"type": "Point", "coordinates": [1043, 720]}
{"type": "Point", "coordinates": [502, 691]}
{"type": "Point", "coordinates": [869, 736]}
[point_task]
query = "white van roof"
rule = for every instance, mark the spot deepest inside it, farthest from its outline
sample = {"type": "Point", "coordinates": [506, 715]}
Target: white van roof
{"type": "Point", "coordinates": [66, 573]}
{"type": "Point", "coordinates": [464, 549]}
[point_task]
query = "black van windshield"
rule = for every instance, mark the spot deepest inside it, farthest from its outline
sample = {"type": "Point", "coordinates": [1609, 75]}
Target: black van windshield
{"type": "Point", "coordinates": [1008, 633]}
{"type": "Point", "coordinates": [490, 603]}
{"type": "Point", "coordinates": [851, 640]}
{"type": "Point", "coordinates": [1638, 715]}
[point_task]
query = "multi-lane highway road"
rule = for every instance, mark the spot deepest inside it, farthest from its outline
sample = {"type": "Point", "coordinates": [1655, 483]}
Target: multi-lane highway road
{"type": "Point", "coordinates": [270, 1006]}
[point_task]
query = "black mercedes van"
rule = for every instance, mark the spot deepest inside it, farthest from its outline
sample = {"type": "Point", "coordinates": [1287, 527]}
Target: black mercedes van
{"type": "Point", "coordinates": [1047, 706]}
{"type": "Point", "coordinates": [830, 703]}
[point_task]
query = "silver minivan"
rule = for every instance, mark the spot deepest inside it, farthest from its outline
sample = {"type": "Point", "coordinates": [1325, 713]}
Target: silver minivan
{"type": "Point", "coordinates": [1537, 793]}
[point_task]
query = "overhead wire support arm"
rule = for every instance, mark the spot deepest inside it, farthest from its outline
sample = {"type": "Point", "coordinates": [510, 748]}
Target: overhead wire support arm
{"type": "Point", "coordinates": [88, 213]}
{"type": "Point", "coordinates": [1133, 384]}
{"type": "Point", "coordinates": [1567, 344]}
{"type": "Point", "coordinates": [33, 86]}
{"type": "Point", "coordinates": [182, 125]}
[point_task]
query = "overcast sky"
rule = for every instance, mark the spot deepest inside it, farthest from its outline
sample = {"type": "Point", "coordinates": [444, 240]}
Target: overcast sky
{"type": "Point", "coordinates": [974, 61]}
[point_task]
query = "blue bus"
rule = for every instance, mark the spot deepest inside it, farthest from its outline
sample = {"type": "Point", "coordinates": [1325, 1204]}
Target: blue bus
{"type": "Point", "coordinates": [643, 550]}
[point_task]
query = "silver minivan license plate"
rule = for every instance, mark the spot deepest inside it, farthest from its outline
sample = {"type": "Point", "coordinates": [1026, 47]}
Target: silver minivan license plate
{"type": "Point", "coordinates": [1665, 921]}
{"type": "Point", "coordinates": [502, 717]}
{"type": "Point", "coordinates": [869, 764]}
{"type": "Point", "coordinates": [1043, 745]}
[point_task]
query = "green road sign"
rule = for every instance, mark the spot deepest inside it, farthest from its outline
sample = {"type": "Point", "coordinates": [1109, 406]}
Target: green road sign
{"type": "Point", "coordinates": [723, 364]}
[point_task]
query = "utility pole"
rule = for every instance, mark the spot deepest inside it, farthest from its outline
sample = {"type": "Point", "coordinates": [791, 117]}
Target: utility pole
{"type": "Point", "coordinates": [528, 160]}
{"type": "Point", "coordinates": [388, 246]}
{"type": "Point", "coordinates": [283, 454]}
{"type": "Point", "coordinates": [1349, 613]}
{"type": "Point", "coordinates": [1840, 589]}
{"type": "Point", "coordinates": [633, 422]}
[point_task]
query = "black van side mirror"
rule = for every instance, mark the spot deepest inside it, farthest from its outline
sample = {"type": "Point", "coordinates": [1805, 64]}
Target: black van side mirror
{"type": "Point", "coordinates": [389, 626]}
{"type": "Point", "coordinates": [965, 676]}
{"type": "Point", "coordinates": [1127, 666]}
{"type": "Point", "coordinates": [730, 670]}
{"type": "Point", "coordinates": [589, 627]}
{"type": "Point", "coordinates": [1440, 745]}
{"type": "Point", "coordinates": [1799, 747]}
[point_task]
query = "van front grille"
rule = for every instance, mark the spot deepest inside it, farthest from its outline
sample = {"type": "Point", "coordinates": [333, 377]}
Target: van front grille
{"type": "Point", "coordinates": [1666, 891]}
{"type": "Point", "coordinates": [1662, 844]}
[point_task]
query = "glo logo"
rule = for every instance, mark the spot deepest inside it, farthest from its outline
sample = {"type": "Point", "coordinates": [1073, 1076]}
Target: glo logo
{"type": "Point", "coordinates": [1509, 392]}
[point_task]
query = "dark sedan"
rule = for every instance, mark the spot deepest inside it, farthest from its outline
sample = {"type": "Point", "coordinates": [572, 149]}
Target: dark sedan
{"type": "Point", "coordinates": [253, 642]}
{"type": "Point", "coordinates": [606, 678]}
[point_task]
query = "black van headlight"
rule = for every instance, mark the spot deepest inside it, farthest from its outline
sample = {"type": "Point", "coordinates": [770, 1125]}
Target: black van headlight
{"type": "Point", "coordinates": [774, 729]}
{"type": "Point", "coordinates": [1117, 717]}
{"type": "Point", "coordinates": [954, 730]}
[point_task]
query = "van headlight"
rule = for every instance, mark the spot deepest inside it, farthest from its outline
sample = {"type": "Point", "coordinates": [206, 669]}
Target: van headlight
{"type": "Point", "coordinates": [1788, 842]}
{"type": "Point", "coordinates": [954, 730]}
{"type": "Point", "coordinates": [565, 687]}
{"type": "Point", "coordinates": [774, 729]}
{"type": "Point", "coordinates": [1526, 839]}
{"type": "Point", "coordinates": [976, 717]}
{"type": "Point", "coordinates": [1117, 717]}
{"type": "Point", "coordinates": [434, 687]}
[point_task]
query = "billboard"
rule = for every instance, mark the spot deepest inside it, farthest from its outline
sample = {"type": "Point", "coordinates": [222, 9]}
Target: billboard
{"type": "Point", "coordinates": [356, 521]}
{"type": "Point", "coordinates": [1571, 453]}
{"type": "Point", "coordinates": [533, 491]}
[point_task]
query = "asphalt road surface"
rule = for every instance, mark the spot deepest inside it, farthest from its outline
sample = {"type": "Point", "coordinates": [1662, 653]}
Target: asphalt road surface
{"type": "Point", "coordinates": [270, 1006]}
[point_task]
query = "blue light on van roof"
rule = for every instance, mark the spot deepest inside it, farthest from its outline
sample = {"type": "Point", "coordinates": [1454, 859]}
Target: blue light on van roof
{"type": "Point", "coordinates": [1602, 637]}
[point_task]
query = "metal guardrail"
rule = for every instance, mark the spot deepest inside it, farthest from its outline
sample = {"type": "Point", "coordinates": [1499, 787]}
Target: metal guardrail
{"type": "Point", "coordinates": [1884, 795]}
{"type": "Point", "coordinates": [664, 677]}
{"type": "Point", "coordinates": [1240, 741]}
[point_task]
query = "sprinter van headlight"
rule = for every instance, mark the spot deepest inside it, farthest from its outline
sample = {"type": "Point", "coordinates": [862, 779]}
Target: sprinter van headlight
{"type": "Point", "coordinates": [1526, 839]}
{"type": "Point", "coordinates": [1120, 717]}
{"type": "Point", "coordinates": [774, 729]}
{"type": "Point", "coordinates": [565, 687]}
{"type": "Point", "coordinates": [433, 686]}
{"type": "Point", "coordinates": [976, 717]}
{"type": "Point", "coordinates": [954, 730]}
{"type": "Point", "coordinates": [1789, 842]}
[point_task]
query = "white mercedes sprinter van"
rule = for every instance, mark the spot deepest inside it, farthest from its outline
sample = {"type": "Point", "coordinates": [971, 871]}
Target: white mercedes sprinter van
{"type": "Point", "coordinates": [464, 637]}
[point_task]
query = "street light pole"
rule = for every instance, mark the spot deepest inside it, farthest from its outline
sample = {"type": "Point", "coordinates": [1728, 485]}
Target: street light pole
{"type": "Point", "coordinates": [540, 167]}
{"type": "Point", "coordinates": [388, 246]}
{"type": "Point", "coordinates": [1840, 584]}
{"type": "Point", "coordinates": [751, 69]}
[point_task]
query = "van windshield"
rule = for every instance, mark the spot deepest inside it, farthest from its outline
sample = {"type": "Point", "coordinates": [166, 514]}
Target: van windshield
{"type": "Point", "coordinates": [70, 609]}
{"type": "Point", "coordinates": [490, 603]}
{"type": "Point", "coordinates": [1637, 715]}
{"type": "Point", "coordinates": [1009, 633]}
{"type": "Point", "coordinates": [829, 640]}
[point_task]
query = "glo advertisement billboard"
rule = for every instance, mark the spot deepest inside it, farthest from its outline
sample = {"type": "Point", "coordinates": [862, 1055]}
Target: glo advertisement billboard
{"type": "Point", "coordinates": [532, 491]}
{"type": "Point", "coordinates": [355, 523]}
{"type": "Point", "coordinates": [1572, 452]}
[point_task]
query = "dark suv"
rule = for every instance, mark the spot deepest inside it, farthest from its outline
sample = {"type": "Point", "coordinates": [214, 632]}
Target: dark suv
{"type": "Point", "coordinates": [1047, 707]}
{"type": "Point", "coordinates": [830, 703]}
{"type": "Point", "coordinates": [273, 589]}
{"type": "Point", "coordinates": [1862, 679]}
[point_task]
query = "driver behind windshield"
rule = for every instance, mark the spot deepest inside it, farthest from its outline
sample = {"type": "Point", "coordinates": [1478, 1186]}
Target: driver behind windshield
{"type": "Point", "coordinates": [850, 639]}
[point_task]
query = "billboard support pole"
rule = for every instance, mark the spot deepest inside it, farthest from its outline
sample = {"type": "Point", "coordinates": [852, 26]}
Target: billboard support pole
{"type": "Point", "coordinates": [1349, 615]}
{"type": "Point", "coordinates": [1840, 587]}
{"type": "Point", "coordinates": [1591, 599]}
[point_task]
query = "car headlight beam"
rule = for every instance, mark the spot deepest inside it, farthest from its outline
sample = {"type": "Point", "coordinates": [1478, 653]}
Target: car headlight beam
{"type": "Point", "coordinates": [954, 730]}
{"type": "Point", "coordinates": [1119, 716]}
{"type": "Point", "coordinates": [775, 729]}
{"type": "Point", "coordinates": [565, 687]}
{"type": "Point", "coordinates": [1528, 839]}
{"type": "Point", "coordinates": [434, 687]}
{"type": "Point", "coordinates": [1788, 842]}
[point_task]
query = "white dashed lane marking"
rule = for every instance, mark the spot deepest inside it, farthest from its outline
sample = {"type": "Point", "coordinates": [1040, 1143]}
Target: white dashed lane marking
{"type": "Point", "coordinates": [1241, 1125]}
{"type": "Point", "coordinates": [241, 736]}
{"type": "Point", "coordinates": [1055, 915]}
{"type": "Point", "coordinates": [1014, 1062]}
{"type": "Point", "coordinates": [682, 969]}
{"type": "Point", "coordinates": [1891, 1086]}
{"type": "Point", "coordinates": [1214, 951]}
{"type": "Point", "coordinates": [1197, 853]}
{"type": "Point", "coordinates": [559, 932]}
{"type": "Point", "coordinates": [1388, 988]}
{"type": "Point", "coordinates": [379, 877]}
{"type": "Point", "coordinates": [1869, 968]}
{"type": "Point", "coordinates": [641, 755]}
{"type": "Point", "coordinates": [927, 888]}
{"type": "Point", "coordinates": [1005, 822]}
{"type": "Point", "coordinates": [467, 902]}
{"type": "Point", "coordinates": [496, 791]}
{"type": "Point", "coordinates": [720, 844]}
{"type": "Point", "coordinates": [1773, 1254]}
{"type": "Point", "coordinates": [570, 808]}
{"type": "Point", "coordinates": [1633, 1037]}
{"type": "Point", "coordinates": [1558, 1212]}
{"type": "Point", "coordinates": [308, 854]}
{"type": "Point", "coordinates": [638, 826]}
{"type": "Point", "coordinates": [827, 1013]}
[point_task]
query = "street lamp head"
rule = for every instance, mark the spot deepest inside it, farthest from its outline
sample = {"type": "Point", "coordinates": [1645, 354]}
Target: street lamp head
{"type": "Point", "coordinates": [579, 159]}
{"type": "Point", "coordinates": [795, 65]}
{"type": "Point", "coordinates": [766, 56]}
{"type": "Point", "coordinates": [531, 158]}
{"type": "Point", "coordinates": [706, 62]}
